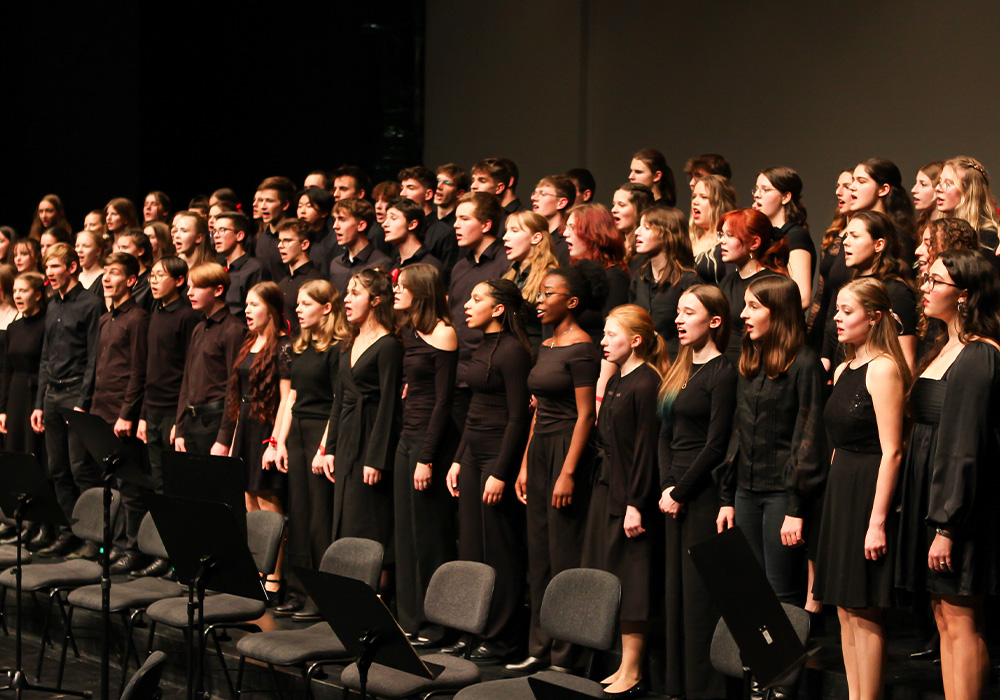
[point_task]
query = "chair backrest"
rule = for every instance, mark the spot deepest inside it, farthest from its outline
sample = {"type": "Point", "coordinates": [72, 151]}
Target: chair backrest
{"type": "Point", "coordinates": [459, 596]}
{"type": "Point", "coordinates": [149, 538]}
{"type": "Point", "coordinates": [264, 531]}
{"type": "Point", "coordinates": [89, 513]}
{"type": "Point", "coordinates": [725, 655]}
{"type": "Point", "coordinates": [354, 557]}
{"type": "Point", "coordinates": [581, 606]}
{"type": "Point", "coordinates": [145, 683]}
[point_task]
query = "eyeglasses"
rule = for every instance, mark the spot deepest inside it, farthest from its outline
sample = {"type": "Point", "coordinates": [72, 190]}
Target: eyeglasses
{"type": "Point", "coordinates": [931, 282]}
{"type": "Point", "coordinates": [760, 191]}
{"type": "Point", "coordinates": [540, 193]}
{"type": "Point", "coordinates": [224, 231]}
{"type": "Point", "coordinates": [546, 295]}
{"type": "Point", "coordinates": [284, 242]}
{"type": "Point", "coordinates": [157, 276]}
{"type": "Point", "coordinates": [723, 235]}
{"type": "Point", "coordinates": [946, 185]}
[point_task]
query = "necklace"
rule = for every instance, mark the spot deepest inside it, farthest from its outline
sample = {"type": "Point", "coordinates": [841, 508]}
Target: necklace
{"type": "Point", "coordinates": [685, 384]}
{"type": "Point", "coordinates": [555, 338]}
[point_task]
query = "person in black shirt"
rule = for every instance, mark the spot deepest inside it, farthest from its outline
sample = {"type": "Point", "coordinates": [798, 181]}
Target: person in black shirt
{"type": "Point", "coordinates": [697, 402]}
{"type": "Point", "coordinates": [586, 185]}
{"type": "Point", "coordinates": [528, 245]}
{"type": "Point", "coordinates": [497, 176]}
{"type": "Point", "coordinates": [349, 181]}
{"type": "Point", "coordinates": [352, 219]}
{"type": "Point", "coordinates": [552, 198]}
{"type": "Point", "coordinates": [137, 244]}
{"type": "Point", "coordinates": [245, 271]}
{"type": "Point", "coordinates": [294, 245]}
{"type": "Point", "coordinates": [66, 383]}
{"type": "Point", "coordinates": [418, 184]}
{"type": "Point", "coordinates": [424, 516]}
{"type": "Point", "coordinates": [314, 209]}
{"type": "Point", "coordinates": [711, 197]}
{"type": "Point", "coordinates": [274, 204]}
{"type": "Point", "coordinates": [832, 271]}
{"type": "Point", "coordinates": [649, 167]}
{"type": "Point", "coordinates": [491, 519]}
{"type": "Point", "coordinates": [877, 186]}
{"type": "Point", "coordinates": [404, 230]}
{"type": "Point", "coordinates": [452, 183]}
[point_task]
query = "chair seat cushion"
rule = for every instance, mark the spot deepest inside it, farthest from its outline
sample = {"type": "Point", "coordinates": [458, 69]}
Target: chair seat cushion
{"type": "Point", "coordinates": [8, 556]}
{"type": "Point", "coordinates": [134, 594]}
{"type": "Point", "coordinates": [34, 577]}
{"type": "Point", "coordinates": [218, 608]}
{"type": "Point", "coordinates": [518, 688]}
{"type": "Point", "coordinates": [291, 647]}
{"type": "Point", "coordinates": [391, 683]}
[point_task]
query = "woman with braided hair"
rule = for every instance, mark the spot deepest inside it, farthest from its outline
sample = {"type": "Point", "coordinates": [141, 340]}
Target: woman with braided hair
{"type": "Point", "coordinates": [963, 190]}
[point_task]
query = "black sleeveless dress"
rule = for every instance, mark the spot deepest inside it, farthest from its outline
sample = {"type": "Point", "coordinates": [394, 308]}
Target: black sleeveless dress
{"type": "Point", "coordinates": [844, 577]}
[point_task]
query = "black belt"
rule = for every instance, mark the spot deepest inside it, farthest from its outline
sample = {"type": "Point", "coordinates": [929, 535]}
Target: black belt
{"type": "Point", "coordinates": [211, 407]}
{"type": "Point", "coordinates": [65, 383]}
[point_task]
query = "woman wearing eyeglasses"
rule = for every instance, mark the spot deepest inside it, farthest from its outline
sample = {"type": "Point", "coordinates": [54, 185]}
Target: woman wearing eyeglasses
{"type": "Point", "coordinates": [778, 196]}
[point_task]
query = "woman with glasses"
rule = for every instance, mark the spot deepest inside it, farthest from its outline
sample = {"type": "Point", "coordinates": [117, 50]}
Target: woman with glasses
{"type": "Point", "coordinates": [556, 471]}
{"type": "Point", "coordinates": [711, 197]}
{"type": "Point", "coordinates": [778, 196]}
{"type": "Point", "coordinates": [948, 537]}
{"type": "Point", "coordinates": [963, 191]}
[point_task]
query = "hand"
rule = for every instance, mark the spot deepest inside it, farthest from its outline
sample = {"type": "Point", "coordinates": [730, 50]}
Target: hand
{"type": "Point", "coordinates": [422, 476]}
{"type": "Point", "coordinates": [267, 459]}
{"type": "Point", "coordinates": [281, 458]}
{"type": "Point", "coordinates": [372, 476]}
{"type": "Point", "coordinates": [173, 435]}
{"type": "Point", "coordinates": [791, 532]}
{"type": "Point", "coordinates": [562, 490]}
{"type": "Point", "coordinates": [939, 555]}
{"type": "Point", "coordinates": [140, 431]}
{"type": "Point", "coordinates": [328, 468]}
{"type": "Point", "coordinates": [875, 545]}
{"type": "Point", "coordinates": [669, 505]}
{"type": "Point", "coordinates": [521, 485]}
{"type": "Point", "coordinates": [317, 463]}
{"type": "Point", "coordinates": [493, 491]}
{"type": "Point", "coordinates": [3, 422]}
{"type": "Point", "coordinates": [219, 450]}
{"type": "Point", "coordinates": [633, 522]}
{"type": "Point", "coordinates": [37, 421]}
{"type": "Point", "coordinates": [726, 519]}
{"type": "Point", "coordinates": [451, 481]}
{"type": "Point", "coordinates": [179, 445]}
{"type": "Point", "coordinates": [123, 428]}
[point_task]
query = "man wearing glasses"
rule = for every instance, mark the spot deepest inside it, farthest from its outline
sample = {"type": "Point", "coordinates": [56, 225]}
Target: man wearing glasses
{"type": "Point", "coordinates": [244, 270]}
{"type": "Point", "coordinates": [293, 245]}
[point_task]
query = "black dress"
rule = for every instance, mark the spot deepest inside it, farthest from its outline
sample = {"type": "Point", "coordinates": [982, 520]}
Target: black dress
{"type": "Point", "coordinates": [368, 404]}
{"type": "Point", "coordinates": [844, 577]}
{"type": "Point", "coordinates": [23, 354]}
{"type": "Point", "coordinates": [251, 433]}
{"type": "Point", "coordinates": [833, 274]}
{"type": "Point", "coordinates": [949, 478]}
{"type": "Point", "coordinates": [660, 300]}
{"type": "Point", "coordinates": [735, 287]}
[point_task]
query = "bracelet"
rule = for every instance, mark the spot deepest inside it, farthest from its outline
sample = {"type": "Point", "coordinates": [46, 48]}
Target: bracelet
{"type": "Point", "coordinates": [600, 399]}
{"type": "Point", "coordinates": [943, 533]}
{"type": "Point", "coordinates": [270, 442]}
{"type": "Point", "coordinates": [321, 451]}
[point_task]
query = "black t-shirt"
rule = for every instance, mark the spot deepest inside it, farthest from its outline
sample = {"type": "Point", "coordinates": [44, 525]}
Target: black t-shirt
{"type": "Point", "coordinates": [557, 373]}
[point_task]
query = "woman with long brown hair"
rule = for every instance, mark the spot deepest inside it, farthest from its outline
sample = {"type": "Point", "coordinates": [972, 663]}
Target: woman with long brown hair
{"type": "Point", "coordinates": [924, 193]}
{"type": "Point", "coordinates": [120, 215]}
{"type": "Point", "coordinates": [833, 273]}
{"type": "Point", "coordinates": [189, 234]}
{"type": "Point", "coordinates": [49, 213]}
{"type": "Point", "coordinates": [778, 195]}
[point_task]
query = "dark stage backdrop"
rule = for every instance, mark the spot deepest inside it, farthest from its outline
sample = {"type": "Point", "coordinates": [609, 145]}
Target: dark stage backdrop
{"type": "Point", "coordinates": [816, 86]}
{"type": "Point", "coordinates": [106, 101]}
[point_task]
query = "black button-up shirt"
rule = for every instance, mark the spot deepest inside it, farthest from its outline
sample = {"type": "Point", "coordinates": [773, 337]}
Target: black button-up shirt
{"type": "Point", "coordinates": [323, 248]}
{"type": "Point", "coordinates": [266, 252]}
{"type": "Point", "coordinates": [290, 287]}
{"type": "Point", "coordinates": [344, 266]}
{"type": "Point", "coordinates": [421, 255]}
{"type": "Point", "coordinates": [439, 238]}
{"type": "Point", "coordinates": [121, 362]}
{"type": "Point", "coordinates": [69, 351]}
{"type": "Point", "coordinates": [170, 329]}
{"type": "Point", "coordinates": [244, 273]}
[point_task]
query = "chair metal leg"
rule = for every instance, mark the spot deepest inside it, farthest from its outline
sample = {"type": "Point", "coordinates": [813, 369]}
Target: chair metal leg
{"type": "Point", "coordinates": [45, 638]}
{"type": "Point", "coordinates": [65, 644]}
{"type": "Point", "coordinates": [274, 679]}
{"type": "Point", "coordinates": [150, 637]}
{"type": "Point", "coordinates": [129, 621]}
{"type": "Point", "coordinates": [62, 613]}
{"type": "Point", "coordinates": [239, 676]}
{"type": "Point", "coordinates": [3, 606]}
{"type": "Point", "coordinates": [222, 661]}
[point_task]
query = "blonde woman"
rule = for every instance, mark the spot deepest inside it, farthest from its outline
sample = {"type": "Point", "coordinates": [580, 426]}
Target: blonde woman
{"type": "Point", "coordinates": [529, 248]}
{"type": "Point", "coordinates": [963, 191]}
{"type": "Point", "coordinates": [712, 197]}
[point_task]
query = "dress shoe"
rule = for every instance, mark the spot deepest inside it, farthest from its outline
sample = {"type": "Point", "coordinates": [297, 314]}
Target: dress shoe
{"type": "Point", "coordinates": [308, 613]}
{"type": "Point", "coordinates": [128, 562]}
{"type": "Point", "coordinates": [157, 567]}
{"type": "Point", "coordinates": [562, 669]}
{"type": "Point", "coordinates": [457, 649]}
{"type": "Point", "coordinates": [639, 690]}
{"type": "Point", "coordinates": [418, 642]}
{"type": "Point", "coordinates": [530, 665]}
{"type": "Point", "coordinates": [486, 655]}
{"type": "Point", "coordinates": [39, 537]}
{"type": "Point", "coordinates": [116, 554]}
{"type": "Point", "coordinates": [66, 543]}
{"type": "Point", "coordinates": [88, 550]}
{"type": "Point", "coordinates": [292, 605]}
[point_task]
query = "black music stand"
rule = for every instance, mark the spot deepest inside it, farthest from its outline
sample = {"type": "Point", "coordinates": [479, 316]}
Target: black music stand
{"type": "Point", "coordinates": [207, 478]}
{"type": "Point", "coordinates": [209, 551]}
{"type": "Point", "coordinates": [122, 458]}
{"type": "Point", "coordinates": [364, 625]}
{"type": "Point", "coordinates": [768, 644]}
{"type": "Point", "coordinates": [26, 494]}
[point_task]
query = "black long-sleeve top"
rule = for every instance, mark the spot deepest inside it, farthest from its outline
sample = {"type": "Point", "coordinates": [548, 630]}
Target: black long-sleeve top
{"type": "Point", "coordinates": [735, 287]}
{"type": "Point", "coordinates": [290, 287]}
{"type": "Point", "coordinates": [618, 285]}
{"type": "Point", "coordinates": [120, 375]}
{"type": "Point", "coordinates": [498, 378]}
{"type": "Point", "coordinates": [695, 435]}
{"type": "Point", "coordinates": [314, 381]}
{"type": "Point", "coordinates": [440, 239]}
{"type": "Point", "coordinates": [429, 377]}
{"type": "Point", "coordinates": [267, 253]}
{"type": "Point", "coordinates": [23, 353]}
{"type": "Point", "coordinates": [628, 428]}
{"type": "Point", "coordinates": [170, 329]}
{"type": "Point", "coordinates": [778, 441]}
{"type": "Point", "coordinates": [244, 273]}
{"type": "Point", "coordinates": [69, 351]}
{"type": "Point", "coordinates": [557, 374]}
{"type": "Point", "coordinates": [660, 300]}
{"type": "Point", "coordinates": [343, 266]}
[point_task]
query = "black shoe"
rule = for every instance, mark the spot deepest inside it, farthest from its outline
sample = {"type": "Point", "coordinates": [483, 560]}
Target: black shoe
{"type": "Point", "coordinates": [530, 665]}
{"type": "Point", "coordinates": [485, 654]}
{"type": "Point", "coordinates": [88, 550]}
{"type": "Point", "coordinates": [418, 642]}
{"type": "Point", "coordinates": [275, 597]}
{"type": "Point", "coordinates": [562, 669]}
{"type": "Point", "coordinates": [67, 542]}
{"type": "Point", "coordinates": [129, 562]}
{"type": "Point", "coordinates": [39, 537]}
{"type": "Point", "coordinates": [308, 613]}
{"type": "Point", "coordinates": [292, 605]}
{"type": "Point", "coordinates": [457, 649]}
{"type": "Point", "coordinates": [157, 567]}
{"type": "Point", "coordinates": [639, 690]}
{"type": "Point", "coordinates": [116, 554]}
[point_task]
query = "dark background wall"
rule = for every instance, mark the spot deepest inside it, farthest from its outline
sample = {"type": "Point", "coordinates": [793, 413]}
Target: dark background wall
{"type": "Point", "coordinates": [817, 86]}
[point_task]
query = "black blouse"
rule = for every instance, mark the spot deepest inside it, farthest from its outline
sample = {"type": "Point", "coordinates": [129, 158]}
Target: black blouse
{"type": "Point", "coordinates": [429, 377]}
{"type": "Point", "coordinates": [735, 287]}
{"type": "Point", "coordinates": [660, 300]}
{"type": "Point", "coordinates": [23, 353]}
{"type": "Point", "coordinates": [557, 373]}
{"type": "Point", "coordinates": [798, 239]}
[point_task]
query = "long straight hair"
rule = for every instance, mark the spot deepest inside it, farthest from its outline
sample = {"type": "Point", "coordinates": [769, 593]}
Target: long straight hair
{"type": "Point", "coordinates": [430, 302]}
{"type": "Point", "coordinates": [977, 203]}
{"type": "Point", "coordinates": [333, 327]}
{"type": "Point", "coordinates": [671, 228]}
{"type": "Point", "coordinates": [716, 304]}
{"type": "Point", "coordinates": [775, 351]}
{"type": "Point", "coordinates": [541, 259]}
{"type": "Point", "coordinates": [379, 288]}
{"type": "Point", "coordinates": [883, 337]}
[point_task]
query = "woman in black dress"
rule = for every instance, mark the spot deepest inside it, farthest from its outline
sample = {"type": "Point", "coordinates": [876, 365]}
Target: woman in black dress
{"type": "Point", "coordinates": [258, 390]}
{"type": "Point", "coordinates": [745, 244]}
{"type": "Point", "coordinates": [774, 471]}
{"type": "Point", "coordinates": [528, 245]}
{"type": "Point", "coordinates": [308, 412]}
{"type": "Point", "coordinates": [491, 519]}
{"type": "Point", "coordinates": [697, 402]}
{"type": "Point", "coordinates": [662, 239]}
{"type": "Point", "coordinates": [628, 430]}
{"type": "Point", "coordinates": [864, 417]}
{"type": "Point", "coordinates": [948, 537]}
{"type": "Point", "coordinates": [711, 197]}
{"type": "Point", "coordinates": [425, 537]}
{"type": "Point", "coordinates": [361, 446]}
{"type": "Point", "coordinates": [556, 474]}
{"type": "Point", "coordinates": [833, 273]}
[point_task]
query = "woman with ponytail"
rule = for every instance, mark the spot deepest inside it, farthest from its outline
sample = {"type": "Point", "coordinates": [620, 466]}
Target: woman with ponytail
{"type": "Point", "coordinates": [745, 242]}
{"type": "Point", "coordinates": [491, 519]}
{"type": "Point", "coordinates": [697, 400]}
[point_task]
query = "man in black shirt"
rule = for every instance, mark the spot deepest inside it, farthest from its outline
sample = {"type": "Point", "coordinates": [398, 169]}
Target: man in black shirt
{"type": "Point", "coordinates": [244, 271]}
{"type": "Point", "coordinates": [352, 218]}
{"type": "Point", "coordinates": [496, 176]}
{"type": "Point", "coordinates": [452, 183]}
{"type": "Point", "coordinates": [404, 229]}
{"type": "Point", "coordinates": [66, 383]}
{"type": "Point", "coordinates": [349, 181]}
{"type": "Point", "coordinates": [418, 185]}
{"type": "Point", "coordinates": [553, 198]}
{"type": "Point", "coordinates": [294, 244]}
{"type": "Point", "coordinates": [136, 243]}
{"type": "Point", "coordinates": [274, 202]}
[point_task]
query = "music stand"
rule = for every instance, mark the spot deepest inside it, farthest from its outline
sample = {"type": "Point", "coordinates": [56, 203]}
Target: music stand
{"type": "Point", "coordinates": [364, 625]}
{"type": "Point", "coordinates": [766, 639]}
{"type": "Point", "coordinates": [209, 551]}
{"type": "Point", "coordinates": [121, 457]}
{"type": "Point", "coordinates": [26, 494]}
{"type": "Point", "coordinates": [207, 478]}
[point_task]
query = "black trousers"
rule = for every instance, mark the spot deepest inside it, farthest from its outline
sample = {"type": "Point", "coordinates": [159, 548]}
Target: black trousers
{"type": "Point", "coordinates": [71, 468]}
{"type": "Point", "coordinates": [310, 501]}
{"type": "Point", "coordinates": [201, 431]}
{"type": "Point", "coordinates": [134, 497]}
{"type": "Point", "coordinates": [493, 535]}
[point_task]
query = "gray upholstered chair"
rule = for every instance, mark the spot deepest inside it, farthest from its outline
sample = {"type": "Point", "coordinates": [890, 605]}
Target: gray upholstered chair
{"type": "Point", "coordinates": [8, 558]}
{"type": "Point", "coordinates": [458, 596]}
{"type": "Point", "coordinates": [315, 645]}
{"type": "Point", "coordinates": [129, 599]}
{"type": "Point", "coordinates": [580, 606]}
{"type": "Point", "coordinates": [264, 533]}
{"type": "Point", "coordinates": [145, 683]}
{"type": "Point", "coordinates": [58, 578]}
